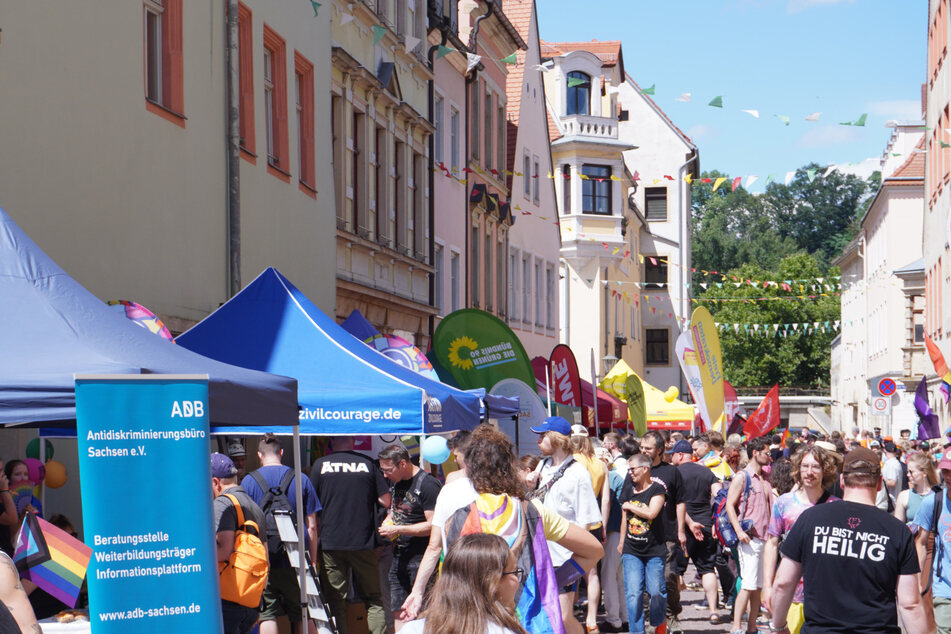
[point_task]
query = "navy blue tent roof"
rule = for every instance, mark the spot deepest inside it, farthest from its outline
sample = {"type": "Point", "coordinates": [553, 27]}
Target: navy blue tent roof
{"type": "Point", "coordinates": [54, 328]}
{"type": "Point", "coordinates": [346, 387]}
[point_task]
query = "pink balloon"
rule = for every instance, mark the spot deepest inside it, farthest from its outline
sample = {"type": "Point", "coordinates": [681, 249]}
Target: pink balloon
{"type": "Point", "coordinates": [37, 470]}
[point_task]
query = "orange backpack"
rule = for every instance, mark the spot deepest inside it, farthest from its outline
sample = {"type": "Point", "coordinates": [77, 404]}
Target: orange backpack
{"type": "Point", "coordinates": [244, 575]}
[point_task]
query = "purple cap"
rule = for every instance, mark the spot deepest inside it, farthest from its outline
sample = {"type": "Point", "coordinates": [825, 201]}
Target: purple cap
{"type": "Point", "coordinates": [222, 466]}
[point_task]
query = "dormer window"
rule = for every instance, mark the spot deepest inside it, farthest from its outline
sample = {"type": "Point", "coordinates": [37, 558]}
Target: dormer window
{"type": "Point", "coordinates": [579, 93]}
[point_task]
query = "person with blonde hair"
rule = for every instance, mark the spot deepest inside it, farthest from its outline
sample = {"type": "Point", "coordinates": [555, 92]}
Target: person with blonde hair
{"type": "Point", "coordinates": [922, 476]}
{"type": "Point", "coordinates": [475, 592]}
{"type": "Point", "coordinates": [582, 450]}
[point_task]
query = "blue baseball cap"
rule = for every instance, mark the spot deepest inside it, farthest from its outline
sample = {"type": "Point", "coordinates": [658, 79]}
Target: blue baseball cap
{"type": "Point", "coordinates": [554, 423]}
{"type": "Point", "coordinates": [681, 446]}
{"type": "Point", "coordinates": [222, 466]}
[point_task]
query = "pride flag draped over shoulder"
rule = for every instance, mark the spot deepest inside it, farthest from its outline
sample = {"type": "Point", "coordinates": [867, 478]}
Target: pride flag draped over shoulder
{"type": "Point", "coordinates": [537, 603]}
{"type": "Point", "coordinates": [937, 359]}
{"type": "Point", "coordinates": [51, 558]}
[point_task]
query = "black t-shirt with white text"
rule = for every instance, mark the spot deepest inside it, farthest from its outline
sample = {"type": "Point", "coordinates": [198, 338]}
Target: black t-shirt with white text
{"type": "Point", "coordinates": [852, 555]}
{"type": "Point", "coordinates": [409, 499]}
{"type": "Point", "coordinates": [695, 492]}
{"type": "Point", "coordinates": [348, 485]}
{"type": "Point", "coordinates": [644, 537]}
{"type": "Point", "coordinates": [668, 476]}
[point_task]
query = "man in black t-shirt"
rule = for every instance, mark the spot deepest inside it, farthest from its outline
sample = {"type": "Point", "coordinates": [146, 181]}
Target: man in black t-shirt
{"type": "Point", "coordinates": [350, 486]}
{"type": "Point", "coordinates": [698, 487]}
{"type": "Point", "coordinates": [409, 522]}
{"type": "Point", "coordinates": [667, 475]}
{"type": "Point", "coordinates": [854, 559]}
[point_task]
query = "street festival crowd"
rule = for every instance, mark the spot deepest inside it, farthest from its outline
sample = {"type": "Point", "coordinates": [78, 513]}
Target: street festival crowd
{"type": "Point", "coordinates": [811, 533]}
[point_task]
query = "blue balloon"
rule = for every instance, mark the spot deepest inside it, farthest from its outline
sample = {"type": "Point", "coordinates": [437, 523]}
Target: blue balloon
{"type": "Point", "coordinates": [435, 450]}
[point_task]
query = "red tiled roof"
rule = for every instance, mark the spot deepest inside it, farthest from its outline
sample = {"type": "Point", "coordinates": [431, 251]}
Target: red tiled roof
{"type": "Point", "coordinates": [914, 165]}
{"type": "Point", "coordinates": [553, 131]}
{"type": "Point", "coordinates": [608, 52]}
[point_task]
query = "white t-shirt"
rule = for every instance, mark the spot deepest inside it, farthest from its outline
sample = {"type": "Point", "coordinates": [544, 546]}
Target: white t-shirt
{"type": "Point", "coordinates": [571, 497]}
{"type": "Point", "coordinates": [452, 497]}
{"type": "Point", "coordinates": [892, 471]}
{"type": "Point", "coordinates": [416, 627]}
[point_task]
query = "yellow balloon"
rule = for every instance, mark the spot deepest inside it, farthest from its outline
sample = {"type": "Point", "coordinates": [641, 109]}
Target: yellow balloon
{"type": "Point", "coordinates": [55, 474]}
{"type": "Point", "coordinates": [671, 394]}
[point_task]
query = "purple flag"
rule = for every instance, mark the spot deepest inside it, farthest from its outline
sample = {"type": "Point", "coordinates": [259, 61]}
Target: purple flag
{"type": "Point", "coordinates": [927, 419]}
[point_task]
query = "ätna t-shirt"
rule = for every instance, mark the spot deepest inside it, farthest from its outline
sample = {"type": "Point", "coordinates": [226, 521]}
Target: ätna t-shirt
{"type": "Point", "coordinates": [645, 538]}
{"type": "Point", "coordinates": [348, 484]}
{"type": "Point", "coordinates": [852, 555]}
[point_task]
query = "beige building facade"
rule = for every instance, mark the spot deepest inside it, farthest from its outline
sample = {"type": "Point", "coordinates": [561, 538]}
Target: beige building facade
{"type": "Point", "coordinates": [113, 147]}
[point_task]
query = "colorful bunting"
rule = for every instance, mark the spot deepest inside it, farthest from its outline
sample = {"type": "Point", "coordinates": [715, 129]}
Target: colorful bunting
{"type": "Point", "coordinates": [752, 113]}
{"type": "Point", "coordinates": [648, 91]}
{"type": "Point", "coordinates": [684, 97]}
{"type": "Point", "coordinates": [716, 102]}
{"type": "Point", "coordinates": [511, 59]}
{"type": "Point", "coordinates": [315, 6]}
{"type": "Point", "coordinates": [378, 33]}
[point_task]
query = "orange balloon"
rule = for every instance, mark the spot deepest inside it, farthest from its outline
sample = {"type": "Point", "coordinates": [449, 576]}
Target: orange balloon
{"type": "Point", "coordinates": [55, 474]}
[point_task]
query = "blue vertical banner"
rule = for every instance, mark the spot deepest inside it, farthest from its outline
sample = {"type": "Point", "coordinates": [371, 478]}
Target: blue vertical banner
{"type": "Point", "coordinates": [145, 480]}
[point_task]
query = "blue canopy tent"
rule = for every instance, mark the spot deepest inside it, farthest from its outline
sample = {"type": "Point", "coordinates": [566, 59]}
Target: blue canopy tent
{"type": "Point", "coordinates": [54, 328]}
{"type": "Point", "coordinates": [345, 387]}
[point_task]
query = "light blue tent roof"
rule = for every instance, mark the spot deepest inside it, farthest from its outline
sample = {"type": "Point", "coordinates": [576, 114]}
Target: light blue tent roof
{"type": "Point", "coordinates": [345, 387]}
{"type": "Point", "coordinates": [54, 328]}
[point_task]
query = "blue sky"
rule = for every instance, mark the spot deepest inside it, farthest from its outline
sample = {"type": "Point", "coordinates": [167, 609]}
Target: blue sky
{"type": "Point", "coordinates": [788, 57]}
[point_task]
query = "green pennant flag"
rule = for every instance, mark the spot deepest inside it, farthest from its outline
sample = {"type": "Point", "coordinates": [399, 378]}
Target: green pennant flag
{"type": "Point", "coordinates": [315, 5]}
{"type": "Point", "coordinates": [783, 118]}
{"type": "Point", "coordinates": [943, 144]}
{"type": "Point", "coordinates": [717, 102]}
{"type": "Point", "coordinates": [442, 51]}
{"type": "Point", "coordinates": [576, 81]}
{"type": "Point", "coordinates": [811, 174]}
{"type": "Point", "coordinates": [861, 120]}
{"type": "Point", "coordinates": [511, 59]}
{"type": "Point", "coordinates": [648, 91]}
{"type": "Point", "coordinates": [769, 179]}
{"type": "Point", "coordinates": [378, 33]}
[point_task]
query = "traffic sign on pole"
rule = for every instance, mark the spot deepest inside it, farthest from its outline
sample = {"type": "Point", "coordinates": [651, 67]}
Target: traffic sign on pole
{"type": "Point", "coordinates": [887, 387]}
{"type": "Point", "coordinates": [881, 406]}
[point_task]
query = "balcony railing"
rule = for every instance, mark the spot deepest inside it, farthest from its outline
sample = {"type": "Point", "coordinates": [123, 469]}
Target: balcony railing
{"type": "Point", "coordinates": [588, 126]}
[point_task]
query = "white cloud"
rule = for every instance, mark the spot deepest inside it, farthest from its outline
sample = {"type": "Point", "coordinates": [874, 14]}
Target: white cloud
{"type": "Point", "coordinates": [795, 6]}
{"type": "Point", "coordinates": [901, 109]}
{"type": "Point", "coordinates": [828, 136]}
{"type": "Point", "coordinates": [863, 169]}
{"type": "Point", "coordinates": [702, 132]}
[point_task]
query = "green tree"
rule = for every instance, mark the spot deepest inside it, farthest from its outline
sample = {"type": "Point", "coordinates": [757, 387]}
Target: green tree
{"type": "Point", "coordinates": [761, 357]}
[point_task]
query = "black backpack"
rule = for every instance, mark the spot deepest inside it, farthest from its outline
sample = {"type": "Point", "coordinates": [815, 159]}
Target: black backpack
{"type": "Point", "coordinates": [275, 499]}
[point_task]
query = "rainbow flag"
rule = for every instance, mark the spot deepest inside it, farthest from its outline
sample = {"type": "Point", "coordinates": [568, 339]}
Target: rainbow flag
{"type": "Point", "coordinates": [51, 558]}
{"type": "Point", "coordinates": [537, 604]}
{"type": "Point", "coordinates": [940, 366]}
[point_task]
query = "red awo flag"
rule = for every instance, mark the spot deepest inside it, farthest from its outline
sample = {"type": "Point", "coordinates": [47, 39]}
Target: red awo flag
{"type": "Point", "coordinates": [766, 416]}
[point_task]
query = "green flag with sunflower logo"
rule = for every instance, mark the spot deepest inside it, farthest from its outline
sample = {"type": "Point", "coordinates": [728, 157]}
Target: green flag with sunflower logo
{"type": "Point", "coordinates": [476, 349]}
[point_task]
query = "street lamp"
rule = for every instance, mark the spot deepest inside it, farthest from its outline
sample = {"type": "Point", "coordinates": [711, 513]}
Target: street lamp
{"type": "Point", "coordinates": [608, 362]}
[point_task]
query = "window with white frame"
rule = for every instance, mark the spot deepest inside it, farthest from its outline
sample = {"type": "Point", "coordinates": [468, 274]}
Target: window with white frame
{"type": "Point", "coordinates": [438, 279]}
{"type": "Point", "coordinates": [153, 49]}
{"type": "Point", "coordinates": [539, 282]}
{"type": "Point", "coordinates": [453, 139]}
{"type": "Point", "coordinates": [455, 281]}
{"type": "Point", "coordinates": [514, 285]}
{"type": "Point", "coordinates": [439, 133]}
{"type": "Point", "coordinates": [269, 100]}
{"type": "Point", "coordinates": [536, 176]}
{"type": "Point", "coordinates": [526, 289]}
{"type": "Point", "coordinates": [550, 294]}
{"type": "Point", "coordinates": [527, 174]}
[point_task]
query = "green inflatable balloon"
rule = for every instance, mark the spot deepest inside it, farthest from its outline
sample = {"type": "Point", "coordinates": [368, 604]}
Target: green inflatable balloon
{"type": "Point", "coordinates": [33, 449]}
